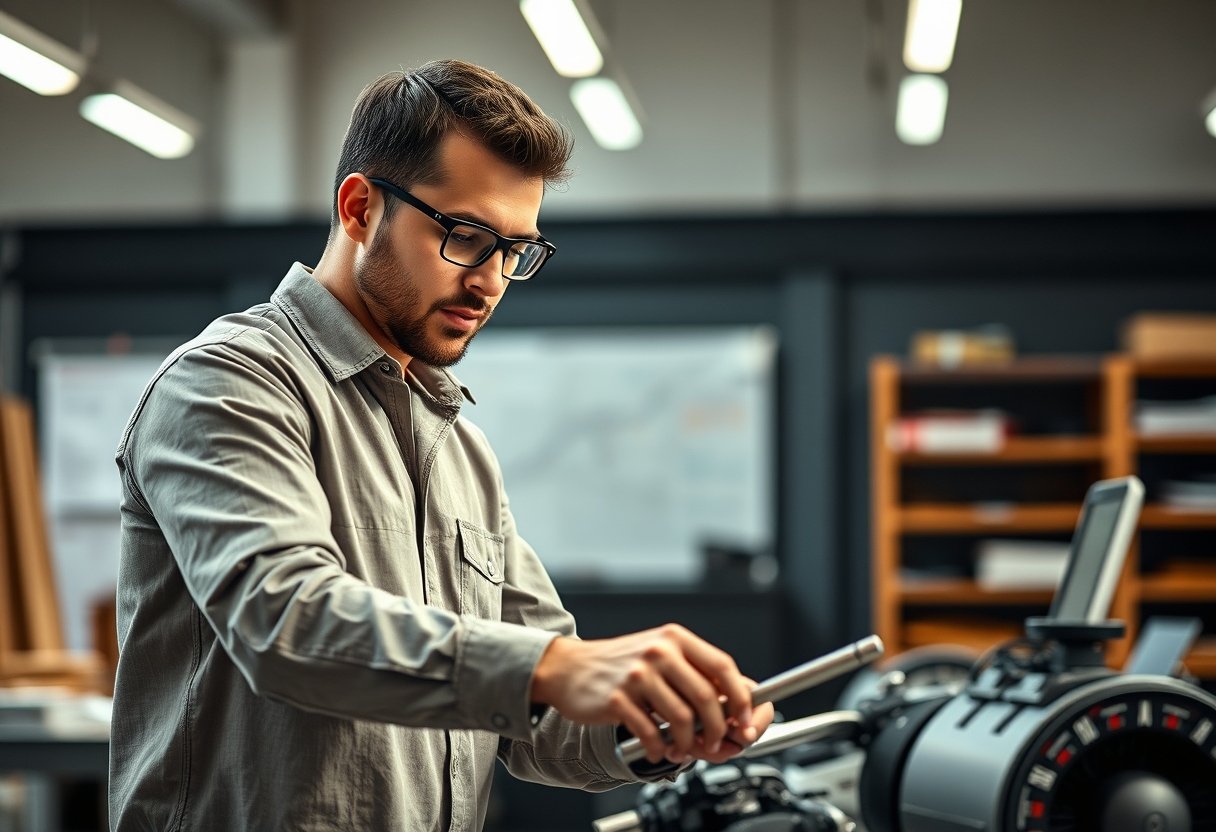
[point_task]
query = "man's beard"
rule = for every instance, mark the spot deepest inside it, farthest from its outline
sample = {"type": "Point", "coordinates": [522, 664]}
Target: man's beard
{"type": "Point", "coordinates": [394, 299]}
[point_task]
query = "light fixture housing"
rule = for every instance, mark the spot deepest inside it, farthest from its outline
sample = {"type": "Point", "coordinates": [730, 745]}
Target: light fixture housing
{"type": "Point", "coordinates": [36, 61]}
{"type": "Point", "coordinates": [607, 113]}
{"type": "Point", "coordinates": [564, 32]}
{"type": "Point", "coordinates": [141, 119]}
{"type": "Point", "coordinates": [920, 115]}
{"type": "Point", "coordinates": [931, 34]}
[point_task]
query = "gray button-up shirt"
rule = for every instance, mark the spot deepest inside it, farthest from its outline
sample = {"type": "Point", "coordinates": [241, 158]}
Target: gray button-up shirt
{"type": "Point", "coordinates": [327, 618]}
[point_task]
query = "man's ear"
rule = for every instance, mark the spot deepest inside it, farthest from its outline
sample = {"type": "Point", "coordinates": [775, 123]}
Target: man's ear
{"type": "Point", "coordinates": [357, 201]}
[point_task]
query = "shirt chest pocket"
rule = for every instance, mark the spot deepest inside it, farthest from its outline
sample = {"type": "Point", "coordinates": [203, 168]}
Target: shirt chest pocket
{"type": "Point", "coordinates": [482, 564]}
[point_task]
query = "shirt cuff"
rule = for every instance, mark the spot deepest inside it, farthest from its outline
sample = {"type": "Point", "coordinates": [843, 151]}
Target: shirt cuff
{"type": "Point", "coordinates": [604, 741]}
{"type": "Point", "coordinates": [495, 663]}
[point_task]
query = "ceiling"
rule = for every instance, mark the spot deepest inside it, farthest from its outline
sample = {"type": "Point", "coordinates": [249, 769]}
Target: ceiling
{"type": "Point", "coordinates": [772, 106]}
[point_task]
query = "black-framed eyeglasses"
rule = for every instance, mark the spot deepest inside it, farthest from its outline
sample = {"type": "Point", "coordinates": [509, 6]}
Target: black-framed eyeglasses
{"type": "Point", "coordinates": [470, 244]}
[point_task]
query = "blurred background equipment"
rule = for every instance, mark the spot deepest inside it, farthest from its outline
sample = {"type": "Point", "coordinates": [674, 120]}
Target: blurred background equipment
{"type": "Point", "coordinates": [32, 649]}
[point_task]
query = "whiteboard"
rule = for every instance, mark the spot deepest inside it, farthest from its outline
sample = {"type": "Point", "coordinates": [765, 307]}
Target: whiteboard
{"type": "Point", "coordinates": [625, 451]}
{"type": "Point", "coordinates": [85, 398]}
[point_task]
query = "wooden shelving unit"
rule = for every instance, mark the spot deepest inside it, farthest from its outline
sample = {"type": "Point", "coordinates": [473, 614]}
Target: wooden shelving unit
{"type": "Point", "coordinates": [911, 612]}
{"type": "Point", "coordinates": [915, 611]}
{"type": "Point", "coordinates": [1188, 578]}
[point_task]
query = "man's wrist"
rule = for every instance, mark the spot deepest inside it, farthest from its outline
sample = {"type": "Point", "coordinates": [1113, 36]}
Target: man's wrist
{"type": "Point", "coordinates": [547, 669]}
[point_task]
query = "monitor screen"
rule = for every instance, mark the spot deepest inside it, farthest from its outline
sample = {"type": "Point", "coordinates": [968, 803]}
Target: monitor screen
{"type": "Point", "coordinates": [1099, 547]}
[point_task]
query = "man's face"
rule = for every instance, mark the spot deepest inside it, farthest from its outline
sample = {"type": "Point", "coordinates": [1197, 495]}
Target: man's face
{"type": "Point", "coordinates": [428, 307]}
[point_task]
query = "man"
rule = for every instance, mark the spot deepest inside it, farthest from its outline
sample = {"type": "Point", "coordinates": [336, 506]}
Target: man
{"type": "Point", "coordinates": [327, 618]}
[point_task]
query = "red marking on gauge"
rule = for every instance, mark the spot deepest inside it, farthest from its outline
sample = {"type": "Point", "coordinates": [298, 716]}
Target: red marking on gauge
{"type": "Point", "coordinates": [1171, 722]}
{"type": "Point", "coordinates": [1037, 808]}
{"type": "Point", "coordinates": [1115, 722]}
{"type": "Point", "coordinates": [1063, 757]}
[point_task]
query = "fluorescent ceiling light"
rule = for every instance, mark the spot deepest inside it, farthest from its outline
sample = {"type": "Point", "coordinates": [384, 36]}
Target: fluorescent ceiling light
{"type": "Point", "coordinates": [35, 61]}
{"type": "Point", "coordinates": [932, 31]}
{"type": "Point", "coordinates": [564, 36]}
{"type": "Point", "coordinates": [146, 122]}
{"type": "Point", "coordinates": [606, 111]}
{"type": "Point", "coordinates": [921, 113]}
{"type": "Point", "coordinates": [1209, 109]}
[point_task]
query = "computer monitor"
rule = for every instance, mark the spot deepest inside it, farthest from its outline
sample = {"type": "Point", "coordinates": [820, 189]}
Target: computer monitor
{"type": "Point", "coordinates": [1099, 547]}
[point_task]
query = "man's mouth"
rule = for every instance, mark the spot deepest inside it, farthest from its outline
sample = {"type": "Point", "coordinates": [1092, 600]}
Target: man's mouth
{"type": "Point", "coordinates": [462, 317]}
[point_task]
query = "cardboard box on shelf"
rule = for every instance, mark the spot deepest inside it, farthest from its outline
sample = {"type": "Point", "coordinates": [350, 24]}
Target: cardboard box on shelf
{"type": "Point", "coordinates": [1168, 336]}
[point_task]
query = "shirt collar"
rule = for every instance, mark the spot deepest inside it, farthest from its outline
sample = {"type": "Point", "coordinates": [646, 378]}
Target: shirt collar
{"type": "Point", "coordinates": [340, 341]}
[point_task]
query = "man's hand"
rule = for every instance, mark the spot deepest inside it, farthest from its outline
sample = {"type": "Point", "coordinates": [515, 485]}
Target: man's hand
{"type": "Point", "coordinates": [662, 675]}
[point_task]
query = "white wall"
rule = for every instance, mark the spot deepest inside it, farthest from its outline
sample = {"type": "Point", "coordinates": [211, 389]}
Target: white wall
{"type": "Point", "coordinates": [751, 106]}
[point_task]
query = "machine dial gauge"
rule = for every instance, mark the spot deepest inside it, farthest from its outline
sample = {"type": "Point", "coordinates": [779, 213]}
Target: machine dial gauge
{"type": "Point", "coordinates": [1134, 753]}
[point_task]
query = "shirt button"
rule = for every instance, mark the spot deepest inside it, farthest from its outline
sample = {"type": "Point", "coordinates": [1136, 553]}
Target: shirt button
{"type": "Point", "coordinates": [490, 566]}
{"type": "Point", "coordinates": [499, 721]}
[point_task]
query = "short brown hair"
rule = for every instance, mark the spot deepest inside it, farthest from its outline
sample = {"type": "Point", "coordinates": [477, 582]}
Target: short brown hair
{"type": "Point", "coordinates": [400, 119]}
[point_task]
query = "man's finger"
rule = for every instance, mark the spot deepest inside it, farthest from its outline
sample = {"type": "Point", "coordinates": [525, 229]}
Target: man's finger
{"type": "Point", "coordinates": [699, 695]}
{"type": "Point", "coordinates": [717, 665]}
{"type": "Point", "coordinates": [672, 709]}
{"type": "Point", "coordinates": [639, 723]}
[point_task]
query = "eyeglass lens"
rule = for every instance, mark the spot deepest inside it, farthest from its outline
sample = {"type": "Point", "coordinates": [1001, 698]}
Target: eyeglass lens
{"type": "Point", "coordinates": [468, 245]}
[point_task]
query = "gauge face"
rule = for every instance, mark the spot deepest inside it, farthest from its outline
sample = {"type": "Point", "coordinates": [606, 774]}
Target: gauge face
{"type": "Point", "coordinates": [1145, 757]}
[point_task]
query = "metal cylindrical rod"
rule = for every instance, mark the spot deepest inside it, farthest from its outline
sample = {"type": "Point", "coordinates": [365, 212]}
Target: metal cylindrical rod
{"type": "Point", "coordinates": [629, 821]}
{"type": "Point", "coordinates": [794, 680]}
{"type": "Point", "coordinates": [833, 725]}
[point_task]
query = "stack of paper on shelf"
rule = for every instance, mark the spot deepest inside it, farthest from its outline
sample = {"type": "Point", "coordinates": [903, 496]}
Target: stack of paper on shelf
{"type": "Point", "coordinates": [950, 431]}
{"type": "Point", "coordinates": [1020, 564]}
{"type": "Point", "coordinates": [1198, 494]}
{"type": "Point", "coordinates": [1180, 418]}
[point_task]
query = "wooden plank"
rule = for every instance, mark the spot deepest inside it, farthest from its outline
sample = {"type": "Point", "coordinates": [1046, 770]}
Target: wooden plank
{"type": "Point", "coordinates": [1202, 659]}
{"type": "Point", "coordinates": [1199, 443]}
{"type": "Point", "coordinates": [1180, 368]}
{"type": "Point", "coordinates": [1158, 516]}
{"type": "Point", "coordinates": [1018, 450]}
{"type": "Point", "coordinates": [884, 506]}
{"type": "Point", "coordinates": [1179, 586]}
{"type": "Point", "coordinates": [967, 518]}
{"type": "Point", "coordinates": [8, 597]}
{"type": "Point", "coordinates": [959, 591]}
{"type": "Point", "coordinates": [1035, 368]}
{"type": "Point", "coordinates": [1119, 395]}
{"type": "Point", "coordinates": [975, 632]}
{"type": "Point", "coordinates": [34, 579]}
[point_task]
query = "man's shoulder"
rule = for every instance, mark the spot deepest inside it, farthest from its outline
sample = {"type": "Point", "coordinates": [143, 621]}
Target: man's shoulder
{"type": "Point", "coordinates": [256, 333]}
{"type": "Point", "coordinates": [250, 354]}
{"type": "Point", "coordinates": [231, 349]}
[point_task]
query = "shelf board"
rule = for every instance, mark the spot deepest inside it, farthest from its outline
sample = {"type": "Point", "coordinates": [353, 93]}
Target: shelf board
{"type": "Point", "coordinates": [1037, 368]}
{"type": "Point", "coordinates": [1183, 444]}
{"type": "Point", "coordinates": [953, 518]}
{"type": "Point", "coordinates": [1181, 581]}
{"type": "Point", "coordinates": [1202, 659]}
{"type": "Point", "coordinates": [1156, 516]}
{"type": "Point", "coordinates": [1044, 449]}
{"type": "Point", "coordinates": [962, 591]}
{"type": "Point", "coordinates": [1178, 368]}
{"type": "Point", "coordinates": [978, 634]}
